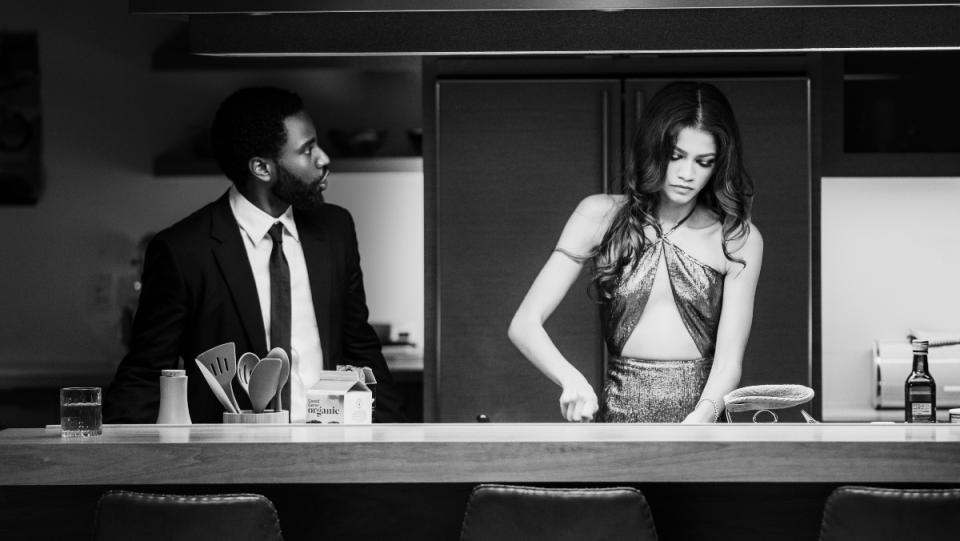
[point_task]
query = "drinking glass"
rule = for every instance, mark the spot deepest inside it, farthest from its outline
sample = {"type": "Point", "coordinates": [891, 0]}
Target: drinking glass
{"type": "Point", "coordinates": [80, 412]}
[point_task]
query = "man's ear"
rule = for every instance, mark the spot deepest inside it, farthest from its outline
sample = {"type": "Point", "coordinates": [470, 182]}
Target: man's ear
{"type": "Point", "coordinates": [261, 168]}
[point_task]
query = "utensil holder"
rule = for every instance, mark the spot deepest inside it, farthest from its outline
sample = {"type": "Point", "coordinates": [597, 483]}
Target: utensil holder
{"type": "Point", "coordinates": [281, 417]}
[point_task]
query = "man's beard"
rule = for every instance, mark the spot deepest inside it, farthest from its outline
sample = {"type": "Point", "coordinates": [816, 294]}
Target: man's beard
{"type": "Point", "coordinates": [300, 195]}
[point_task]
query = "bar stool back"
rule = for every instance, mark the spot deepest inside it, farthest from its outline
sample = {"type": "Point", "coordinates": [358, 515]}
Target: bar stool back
{"type": "Point", "coordinates": [853, 513]}
{"type": "Point", "coordinates": [498, 512]}
{"type": "Point", "coordinates": [124, 515]}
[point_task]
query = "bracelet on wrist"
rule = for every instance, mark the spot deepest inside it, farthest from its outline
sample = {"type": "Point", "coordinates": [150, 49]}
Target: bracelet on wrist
{"type": "Point", "coordinates": [716, 410]}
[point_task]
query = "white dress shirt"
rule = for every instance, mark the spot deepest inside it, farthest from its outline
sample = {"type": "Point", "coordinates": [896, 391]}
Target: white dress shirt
{"type": "Point", "coordinates": [305, 337]}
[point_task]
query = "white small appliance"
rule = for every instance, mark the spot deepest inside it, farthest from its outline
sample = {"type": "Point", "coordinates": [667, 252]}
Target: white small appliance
{"type": "Point", "coordinates": [892, 363]}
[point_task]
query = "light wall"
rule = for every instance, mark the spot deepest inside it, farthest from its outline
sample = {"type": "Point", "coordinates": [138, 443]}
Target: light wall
{"type": "Point", "coordinates": [890, 263]}
{"type": "Point", "coordinates": [388, 210]}
{"type": "Point", "coordinates": [66, 267]}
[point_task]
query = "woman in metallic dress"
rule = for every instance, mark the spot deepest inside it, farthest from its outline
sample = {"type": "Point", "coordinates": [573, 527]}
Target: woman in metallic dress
{"type": "Point", "coordinates": [674, 260]}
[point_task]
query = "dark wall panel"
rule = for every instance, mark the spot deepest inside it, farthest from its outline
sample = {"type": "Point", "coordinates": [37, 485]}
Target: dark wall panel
{"type": "Point", "coordinates": [514, 159]}
{"type": "Point", "coordinates": [773, 114]}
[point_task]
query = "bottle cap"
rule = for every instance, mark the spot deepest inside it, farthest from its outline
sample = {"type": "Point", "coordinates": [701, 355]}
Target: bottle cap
{"type": "Point", "coordinates": [173, 373]}
{"type": "Point", "coordinates": [920, 345]}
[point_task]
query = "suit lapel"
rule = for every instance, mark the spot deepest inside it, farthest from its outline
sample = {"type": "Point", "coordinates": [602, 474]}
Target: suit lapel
{"type": "Point", "coordinates": [231, 257]}
{"type": "Point", "coordinates": [316, 253]}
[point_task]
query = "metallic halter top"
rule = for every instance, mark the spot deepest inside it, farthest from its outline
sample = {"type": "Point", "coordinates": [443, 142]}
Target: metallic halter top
{"type": "Point", "coordinates": [697, 292]}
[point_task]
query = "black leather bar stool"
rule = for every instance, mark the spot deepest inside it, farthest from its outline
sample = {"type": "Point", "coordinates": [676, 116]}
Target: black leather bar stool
{"type": "Point", "coordinates": [499, 512]}
{"type": "Point", "coordinates": [854, 513]}
{"type": "Point", "coordinates": [124, 515]}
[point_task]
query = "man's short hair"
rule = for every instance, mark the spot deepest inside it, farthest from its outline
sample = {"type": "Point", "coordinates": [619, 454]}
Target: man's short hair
{"type": "Point", "coordinates": [249, 123]}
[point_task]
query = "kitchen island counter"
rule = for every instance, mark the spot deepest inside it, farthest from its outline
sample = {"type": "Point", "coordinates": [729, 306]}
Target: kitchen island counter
{"type": "Point", "coordinates": [473, 453]}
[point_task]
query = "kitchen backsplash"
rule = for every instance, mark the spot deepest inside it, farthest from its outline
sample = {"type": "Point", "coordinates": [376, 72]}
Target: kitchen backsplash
{"type": "Point", "coordinates": [890, 262]}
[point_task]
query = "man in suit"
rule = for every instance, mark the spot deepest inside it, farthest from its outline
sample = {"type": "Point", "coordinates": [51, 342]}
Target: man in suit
{"type": "Point", "coordinates": [210, 278]}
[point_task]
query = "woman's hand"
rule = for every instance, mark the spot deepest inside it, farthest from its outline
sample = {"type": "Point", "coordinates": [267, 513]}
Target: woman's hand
{"type": "Point", "coordinates": [698, 418]}
{"type": "Point", "coordinates": [578, 401]}
{"type": "Point", "coordinates": [703, 413]}
{"type": "Point", "coordinates": [583, 232]}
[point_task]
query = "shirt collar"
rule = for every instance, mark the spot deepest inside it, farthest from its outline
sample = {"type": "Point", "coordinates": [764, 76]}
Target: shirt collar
{"type": "Point", "coordinates": [254, 222]}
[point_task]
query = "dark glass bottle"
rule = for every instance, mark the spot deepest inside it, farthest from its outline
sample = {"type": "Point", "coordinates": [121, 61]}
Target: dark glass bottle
{"type": "Point", "coordinates": [920, 390]}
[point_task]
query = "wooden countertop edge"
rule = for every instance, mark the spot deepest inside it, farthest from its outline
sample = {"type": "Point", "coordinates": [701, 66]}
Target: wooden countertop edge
{"type": "Point", "coordinates": [35, 457]}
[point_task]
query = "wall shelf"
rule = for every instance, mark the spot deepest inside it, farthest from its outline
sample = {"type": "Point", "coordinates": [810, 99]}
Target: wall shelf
{"type": "Point", "coordinates": [176, 163]}
{"type": "Point", "coordinates": [193, 156]}
{"type": "Point", "coordinates": [174, 55]}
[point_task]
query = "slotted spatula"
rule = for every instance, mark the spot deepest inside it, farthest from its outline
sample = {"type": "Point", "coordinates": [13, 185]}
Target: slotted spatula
{"type": "Point", "coordinates": [222, 363]}
{"type": "Point", "coordinates": [244, 368]}
{"type": "Point", "coordinates": [216, 388]}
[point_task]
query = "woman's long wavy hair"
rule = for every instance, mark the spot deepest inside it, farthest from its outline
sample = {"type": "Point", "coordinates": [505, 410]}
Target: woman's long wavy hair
{"type": "Point", "coordinates": [728, 193]}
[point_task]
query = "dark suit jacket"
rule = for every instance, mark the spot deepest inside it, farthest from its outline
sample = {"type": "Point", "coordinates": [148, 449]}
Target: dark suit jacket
{"type": "Point", "coordinates": [198, 292]}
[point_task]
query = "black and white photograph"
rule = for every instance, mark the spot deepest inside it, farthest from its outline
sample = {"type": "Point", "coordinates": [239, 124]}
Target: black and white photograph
{"type": "Point", "coordinates": [476, 270]}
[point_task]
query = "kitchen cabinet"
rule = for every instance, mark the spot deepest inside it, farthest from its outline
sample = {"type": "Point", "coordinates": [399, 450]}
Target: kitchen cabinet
{"type": "Point", "coordinates": [890, 113]}
{"type": "Point", "coordinates": [513, 157]}
{"type": "Point", "coordinates": [535, 27]}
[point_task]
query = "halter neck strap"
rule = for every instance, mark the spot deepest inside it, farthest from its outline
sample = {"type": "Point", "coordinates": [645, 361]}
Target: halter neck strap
{"type": "Point", "coordinates": [676, 225]}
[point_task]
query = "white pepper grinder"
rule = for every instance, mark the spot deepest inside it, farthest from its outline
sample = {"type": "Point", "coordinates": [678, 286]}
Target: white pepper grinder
{"type": "Point", "coordinates": [173, 398]}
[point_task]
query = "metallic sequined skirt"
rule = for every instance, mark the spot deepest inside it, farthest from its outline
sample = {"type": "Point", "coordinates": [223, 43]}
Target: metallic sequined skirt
{"type": "Point", "coordinates": [641, 391]}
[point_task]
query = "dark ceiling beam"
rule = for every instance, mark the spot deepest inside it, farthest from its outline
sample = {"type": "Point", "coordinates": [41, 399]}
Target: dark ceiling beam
{"type": "Point", "coordinates": [208, 7]}
{"type": "Point", "coordinates": [788, 29]}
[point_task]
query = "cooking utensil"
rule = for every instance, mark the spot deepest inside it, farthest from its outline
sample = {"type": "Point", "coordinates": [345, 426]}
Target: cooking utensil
{"type": "Point", "coordinates": [216, 387]}
{"type": "Point", "coordinates": [222, 363]}
{"type": "Point", "coordinates": [263, 383]}
{"type": "Point", "coordinates": [279, 353]}
{"type": "Point", "coordinates": [245, 366]}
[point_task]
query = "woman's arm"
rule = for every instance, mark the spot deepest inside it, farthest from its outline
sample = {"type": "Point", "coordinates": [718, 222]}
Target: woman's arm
{"type": "Point", "coordinates": [736, 317]}
{"type": "Point", "coordinates": [583, 231]}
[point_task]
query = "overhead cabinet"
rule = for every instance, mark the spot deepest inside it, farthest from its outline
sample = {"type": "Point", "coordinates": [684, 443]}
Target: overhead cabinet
{"type": "Point", "coordinates": [513, 157]}
{"type": "Point", "coordinates": [891, 114]}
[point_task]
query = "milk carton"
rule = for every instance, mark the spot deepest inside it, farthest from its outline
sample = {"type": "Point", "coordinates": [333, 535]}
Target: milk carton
{"type": "Point", "coordinates": [339, 398]}
{"type": "Point", "coordinates": [364, 374]}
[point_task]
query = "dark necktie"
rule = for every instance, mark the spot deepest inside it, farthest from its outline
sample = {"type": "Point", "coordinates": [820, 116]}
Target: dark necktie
{"type": "Point", "coordinates": [279, 299]}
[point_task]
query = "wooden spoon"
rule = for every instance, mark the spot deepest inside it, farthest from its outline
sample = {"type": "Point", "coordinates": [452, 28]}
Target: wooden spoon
{"type": "Point", "coordinates": [279, 353]}
{"type": "Point", "coordinates": [263, 383]}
